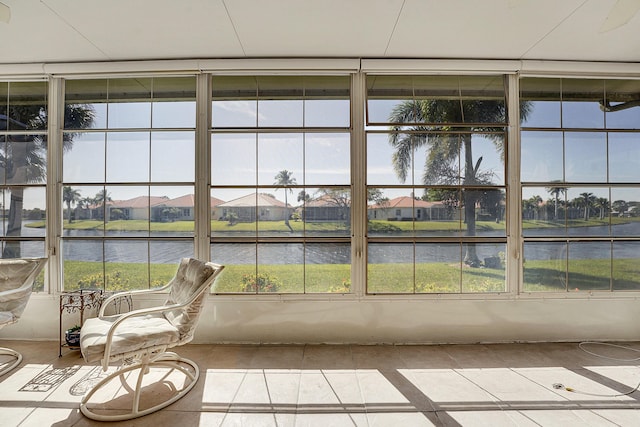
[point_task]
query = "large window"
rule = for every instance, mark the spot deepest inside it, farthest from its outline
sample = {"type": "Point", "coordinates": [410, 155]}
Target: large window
{"type": "Point", "coordinates": [580, 184]}
{"type": "Point", "coordinates": [436, 184]}
{"type": "Point", "coordinates": [128, 180]}
{"type": "Point", "coordinates": [408, 184]}
{"type": "Point", "coordinates": [281, 183]}
{"type": "Point", "coordinates": [23, 169]}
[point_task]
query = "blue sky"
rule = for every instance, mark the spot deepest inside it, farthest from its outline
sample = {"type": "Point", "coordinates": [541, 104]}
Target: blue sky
{"type": "Point", "coordinates": [167, 156]}
{"type": "Point", "coordinates": [582, 154]}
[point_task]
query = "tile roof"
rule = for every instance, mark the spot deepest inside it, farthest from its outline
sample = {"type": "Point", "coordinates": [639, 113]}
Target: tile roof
{"type": "Point", "coordinates": [188, 200]}
{"type": "Point", "coordinates": [407, 202]}
{"type": "Point", "coordinates": [252, 200]}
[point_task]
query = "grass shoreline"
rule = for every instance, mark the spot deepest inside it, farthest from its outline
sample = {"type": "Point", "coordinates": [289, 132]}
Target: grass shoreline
{"type": "Point", "coordinates": [376, 226]}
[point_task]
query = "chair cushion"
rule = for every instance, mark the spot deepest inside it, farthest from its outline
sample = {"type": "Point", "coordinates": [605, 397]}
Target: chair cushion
{"type": "Point", "coordinates": [131, 335]}
{"type": "Point", "coordinates": [191, 274]}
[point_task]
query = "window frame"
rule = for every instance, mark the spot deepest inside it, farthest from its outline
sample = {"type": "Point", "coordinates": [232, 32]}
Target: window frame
{"type": "Point", "coordinates": [44, 184]}
{"type": "Point", "coordinates": [149, 183]}
{"type": "Point", "coordinates": [255, 188]}
{"type": "Point", "coordinates": [607, 184]}
{"type": "Point", "coordinates": [358, 68]}
{"type": "Point", "coordinates": [376, 127]}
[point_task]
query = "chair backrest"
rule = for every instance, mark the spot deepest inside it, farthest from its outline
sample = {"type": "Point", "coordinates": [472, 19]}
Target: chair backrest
{"type": "Point", "coordinates": [189, 286]}
{"type": "Point", "coordinates": [16, 283]}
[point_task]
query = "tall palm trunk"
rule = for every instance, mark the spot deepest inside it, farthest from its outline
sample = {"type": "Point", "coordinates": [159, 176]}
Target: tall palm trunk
{"type": "Point", "coordinates": [469, 200]}
{"type": "Point", "coordinates": [286, 210]}
{"type": "Point", "coordinates": [14, 223]}
{"type": "Point", "coordinates": [69, 212]}
{"type": "Point", "coordinates": [17, 174]}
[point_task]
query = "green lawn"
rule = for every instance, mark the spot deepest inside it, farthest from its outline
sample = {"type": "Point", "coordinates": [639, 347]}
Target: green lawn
{"type": "Point", "coordinates": [394, 278]}
{"type": "Point", "coordinates": [582, 275]}
{"type": "Point", "coordinates": [119, 276]}
{"type": "Point", "coordinates": [383, 226]}
{"type": "Point", "coordinates": [290, 278]}
{"type": "Point", "coordinates": [378, 226]}
{"type": "Point", "coordinates": [433, 277]}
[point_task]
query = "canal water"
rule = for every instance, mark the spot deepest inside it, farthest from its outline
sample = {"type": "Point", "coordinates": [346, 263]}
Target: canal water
{"type": "Point", "coordinates": [330, 253]}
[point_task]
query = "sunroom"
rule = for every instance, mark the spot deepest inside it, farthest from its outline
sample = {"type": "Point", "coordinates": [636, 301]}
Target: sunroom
{"type": "Point", "coordinates": [376, 184]}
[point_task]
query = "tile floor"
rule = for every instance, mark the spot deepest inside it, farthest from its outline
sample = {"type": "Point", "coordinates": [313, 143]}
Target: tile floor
{"type": "Point", "coordinates": [349, 385]}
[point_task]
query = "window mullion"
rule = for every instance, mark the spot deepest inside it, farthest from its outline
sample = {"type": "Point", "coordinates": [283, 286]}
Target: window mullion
{"type": "Point", "coordinates": [358, 182]}
{"type": "Point", "coordinates": [514, 194]}
{"type": "Point", "coordinates": [202, 208]}
{"type": "Point", "coordinates": [55, 109]}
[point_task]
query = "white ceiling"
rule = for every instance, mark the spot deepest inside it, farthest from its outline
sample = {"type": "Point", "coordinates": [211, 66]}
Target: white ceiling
{"type": "Point", "coordinates": [49, 31]}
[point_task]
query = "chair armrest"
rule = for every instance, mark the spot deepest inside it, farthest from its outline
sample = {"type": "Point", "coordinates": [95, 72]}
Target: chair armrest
{"type": "Point", "coordinates": [117, 295]}
{"type": "Point", "coordinates": [20, 290]}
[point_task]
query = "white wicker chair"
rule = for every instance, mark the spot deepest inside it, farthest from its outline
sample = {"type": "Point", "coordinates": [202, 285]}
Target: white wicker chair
{"type": "Point", "coordinates": [141, 338]}
{"type": "Point", "coordinates": [16, 282]}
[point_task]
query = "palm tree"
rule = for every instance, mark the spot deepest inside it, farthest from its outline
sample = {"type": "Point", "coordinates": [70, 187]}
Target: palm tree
{"type": "Point", "coordinates": [87, 203]}
{"type": "Point", "coordinates": [531, 206]}
{"type": "Point", "coordinates": [70, 197]}
{"type": "Point", "coordinates": [23, 157]}
{"type": "Point", "coordinates": [284, 178]}
{"type": "Point", "coordinates": [586, 201]}
{"type": "Point", "coordinates": [555, 191]}
{"type": "Point", "coordinates": [602, 203]}
{"type": "Point", "coordinates": [303, 196]}
{"type": "Point", "coordinates": [445, 144]}
{"type": "Point", "coordinates": [102, 198]}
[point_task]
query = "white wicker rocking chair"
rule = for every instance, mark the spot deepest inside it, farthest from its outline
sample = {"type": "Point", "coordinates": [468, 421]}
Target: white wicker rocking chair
{"type": "Point", "coordinates": [16, 283]}
{"type": "Point", "coordinates": [141, 338]}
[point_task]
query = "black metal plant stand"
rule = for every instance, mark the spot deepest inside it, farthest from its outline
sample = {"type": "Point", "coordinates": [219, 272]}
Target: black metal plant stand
{"type": "Point", "coordinates": [77, 301]}
{"type": "Point", "coordinates": [82, 299]}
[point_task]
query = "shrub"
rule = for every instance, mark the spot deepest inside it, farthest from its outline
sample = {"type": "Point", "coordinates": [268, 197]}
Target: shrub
{"type": "Point", "coordinates": [232, 217]}
{"type": "Point", "coordinates": [436, 288]}
{"type": "Point", "coordinates": [261, 282]}
{"type": "Point", "coordinates": [344, 287]}
{"type": "Point", "coordinates": [115, 282]}
{"type": "Point", "coordinates": [381, 227]}
{"type": "Point", "coordinates": [92, 281]}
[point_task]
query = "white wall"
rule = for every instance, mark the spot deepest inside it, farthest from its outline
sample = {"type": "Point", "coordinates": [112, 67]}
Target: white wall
{"type": "Point", "coordinates": [369, 321]}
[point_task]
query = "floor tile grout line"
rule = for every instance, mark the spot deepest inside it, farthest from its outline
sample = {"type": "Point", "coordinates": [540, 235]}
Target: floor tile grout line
{"type": "Point", "coordinates": [497, 401]}
{"type": "Point", "coordinates": [324, 375]}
